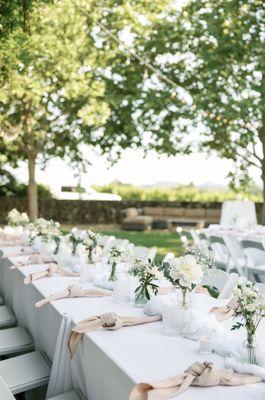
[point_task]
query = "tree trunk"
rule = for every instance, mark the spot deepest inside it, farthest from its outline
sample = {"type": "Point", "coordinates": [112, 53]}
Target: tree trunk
{"type": "Point", "coordinates": [32, 189]}
{"type": "Point", "coordinates": [263, 184]}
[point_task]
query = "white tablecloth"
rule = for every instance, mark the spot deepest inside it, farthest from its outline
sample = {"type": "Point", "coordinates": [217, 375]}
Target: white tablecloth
{"type": "Point", "coordinates": [107, 364]}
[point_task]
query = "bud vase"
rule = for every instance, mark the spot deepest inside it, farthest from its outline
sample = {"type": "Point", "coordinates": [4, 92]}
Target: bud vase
{"type": "Point", "coordinates": [250, 349]}
{"type": "Point", "coordinates": [140, 299]}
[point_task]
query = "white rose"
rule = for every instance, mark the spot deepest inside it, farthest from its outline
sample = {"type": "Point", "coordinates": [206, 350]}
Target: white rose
{"type": "Point", "coordinates": [251, 307]}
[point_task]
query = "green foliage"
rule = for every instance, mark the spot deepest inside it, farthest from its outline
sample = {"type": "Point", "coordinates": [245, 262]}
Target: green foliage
{"type": "Point", "coordinates": [9, 186]}
{"type": "Point", "coordinates": [180, 193]}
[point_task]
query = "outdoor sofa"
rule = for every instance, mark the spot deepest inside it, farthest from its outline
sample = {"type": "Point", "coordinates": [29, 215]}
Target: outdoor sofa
{"type": "Point", "coordinates": [168, 217]}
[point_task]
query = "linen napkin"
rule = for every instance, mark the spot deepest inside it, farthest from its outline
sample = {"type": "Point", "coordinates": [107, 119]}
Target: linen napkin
{"type": "Point", "coordinates": [225, 312]}
{"type": "Point", "coordinates": [50, 271]}
{"type": "Point", "coordinates": [198, 374]}
{"type": "Point", "coordinates": [110, 321]}
{"type": "Point", "coordinates": [32, 259]}
{"type": "Point", "coordinates": [73, 291]}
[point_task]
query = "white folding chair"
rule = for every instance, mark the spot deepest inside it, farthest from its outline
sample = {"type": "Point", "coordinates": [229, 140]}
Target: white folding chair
{"type": "Point", "coordinates": [185, 237]}
{"type": "Point", "coordinates": [141, 252]}
{"type": "Point", "coordinates": [168, 256]}
{"type": "Point", "coordinates": [261, 287]}
{"type": "Point", "coordinates": [25, 372]}
{"type": "Point", "coordinates": [236, 252]}
{"type": "Point", "coordinates": [255, 264]}
{"type": "Point", "coordinates": [72, 395]}
{"type": "Point", "coordinates": [7, 318]}
{"type": "Point", "coordinates": [222, 255]}
{"type": "Point", "coordinates": [6, 394]}
{"type": "Point", "coordinates": [230, 284]}
{"type": "Point", "coordinates": [151, 254]}
{"type": "Point", "coordinates": [15, 340]}
{"type": "Point", "coordinates": [203, 240]}
{"type": "Point", "coordinates": [215, 278]}
{"type": "Point", "coordinates": [199, 239]}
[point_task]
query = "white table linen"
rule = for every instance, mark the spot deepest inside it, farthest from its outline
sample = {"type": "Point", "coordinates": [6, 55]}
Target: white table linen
{"type": "Point", "coordinates": [107, 364]}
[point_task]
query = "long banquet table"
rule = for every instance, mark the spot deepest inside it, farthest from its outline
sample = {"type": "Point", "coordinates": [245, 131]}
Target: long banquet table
{"type": "Point", "coordinates": [107, 364]}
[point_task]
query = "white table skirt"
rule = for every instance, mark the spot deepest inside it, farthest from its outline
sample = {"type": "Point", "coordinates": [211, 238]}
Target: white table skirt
{"type": "Point", "coordinates": [107, 364]}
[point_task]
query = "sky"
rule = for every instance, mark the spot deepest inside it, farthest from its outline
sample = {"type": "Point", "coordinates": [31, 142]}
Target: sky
{"type": "Point", "coordinates": [135, 169]}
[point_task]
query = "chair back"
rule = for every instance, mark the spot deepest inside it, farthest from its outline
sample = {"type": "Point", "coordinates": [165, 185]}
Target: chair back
{"type": "Point", "coordinates": [152, 253]}
{"type": "Point", "coordinates": [141, 252]}
{"type": "Point", "coordinates": [215, 278]}
{"type": "Point", "coordinates": [168, 256]}
{"type": "Point", "coordinates": [185, 237]}
{"type": "Point", "coordinates": [221, 252]}
{"type": "Point", "coordinates": [261, 287]}
{"type": "Point", "coordinates": [254, 251]}
{"type": "Point", "coordinates": [229, 286]}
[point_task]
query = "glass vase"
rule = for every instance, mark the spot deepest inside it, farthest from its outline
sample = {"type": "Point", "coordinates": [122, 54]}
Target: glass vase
{"type": "Point", "coordinates": [250, 349]}
{"type": "Point", "coordinates": [140, 299]}
{"type": "Point", "coordinates": [184, 298]}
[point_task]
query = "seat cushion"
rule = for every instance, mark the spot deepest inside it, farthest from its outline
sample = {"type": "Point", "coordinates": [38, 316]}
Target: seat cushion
{"type": "Point", "coordinates": [214, 213]}
{"type": "Point", "coordinates": [14, 340]}
{"type": "Point", "coordinates": [72, 395]}
{"type": "Point", "coordinates": [195, 212]}
{"type": "Point", "coordinates": [154, 211]}
{"type": "Point", "coordinates": [25, 372]}
{"type": "Point", "coordinates": [131, 212]}
{"type": "Point", "coordinates": [7, 318]}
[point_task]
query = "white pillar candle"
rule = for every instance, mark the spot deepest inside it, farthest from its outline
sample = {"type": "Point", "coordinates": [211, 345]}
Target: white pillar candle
{"type": "Point", "coordinates": [121, 291]}
{"type": "Point", "coordinates": [206, 345]}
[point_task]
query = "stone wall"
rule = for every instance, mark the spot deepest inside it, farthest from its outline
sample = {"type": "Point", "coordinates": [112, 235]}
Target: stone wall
{"type": "Point", "coordinates": [96, 212]}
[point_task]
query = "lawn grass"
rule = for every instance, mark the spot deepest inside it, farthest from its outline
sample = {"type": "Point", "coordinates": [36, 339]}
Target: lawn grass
{"type": "Point", "coordinates": [164, 241]}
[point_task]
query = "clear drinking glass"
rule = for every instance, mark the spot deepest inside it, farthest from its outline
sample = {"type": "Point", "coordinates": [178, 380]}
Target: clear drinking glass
{"type": "Point", "coordinates": [173, 319]}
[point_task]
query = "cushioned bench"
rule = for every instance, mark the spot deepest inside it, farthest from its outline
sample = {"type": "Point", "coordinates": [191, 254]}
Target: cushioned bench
{"type": "Point", "coordinates": [168, 217]}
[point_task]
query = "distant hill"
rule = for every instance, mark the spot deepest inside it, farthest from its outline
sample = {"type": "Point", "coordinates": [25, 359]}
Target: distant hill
{"type": "Point", "coordinates": [172, 185]}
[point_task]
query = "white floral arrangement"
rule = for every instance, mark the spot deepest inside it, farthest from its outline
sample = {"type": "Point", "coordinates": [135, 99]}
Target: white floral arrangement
{"type": "Point", "coordinates": [147, 273]}
{"type": "Point", "coordinates": [184, 273]}
{"type": "Point", "coordinates": [47, 230]}
{"type": "Point", "coordinates": [76, 237]}
{"type": "Point", "coordinates": [16, 218]}
{"type": "Point", "coordinates": [249, 311]}
{"type": "Point", "coordinates": [90, 242]}
{"type": "Point", "coordinates": [117, 255]}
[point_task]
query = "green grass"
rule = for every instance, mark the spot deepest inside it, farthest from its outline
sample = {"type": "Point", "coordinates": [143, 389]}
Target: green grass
{"type": "Point", "coordinates": [164, 241]}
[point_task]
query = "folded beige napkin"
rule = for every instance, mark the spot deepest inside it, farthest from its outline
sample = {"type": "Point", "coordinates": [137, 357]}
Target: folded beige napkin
{"type": "Point", "coordinates": [198, 374]}
{"type": "Point", "coordinates": [109, 321]}
{"type": "Point", "coordinates": [74, 291]}
{"type": "Point", "coordinates": [225, 312]}
{"type": "Point", "coordinates": [32, 259]}
{"type": "Point", "coordinates": [24, 250]}
{"type": "Point", "coordinates": [50, 271]}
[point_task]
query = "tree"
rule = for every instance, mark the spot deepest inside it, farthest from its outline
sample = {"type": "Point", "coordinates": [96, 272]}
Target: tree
{"type": "Point", "coordinates": [213, 50]}
{"type": "Point", "coordinates": [59, 86]}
